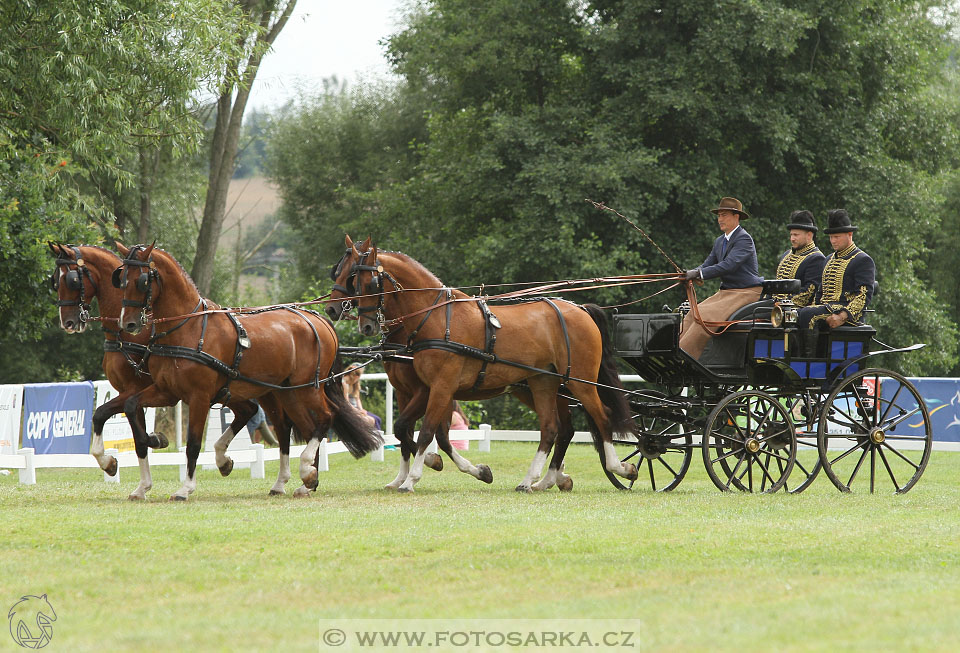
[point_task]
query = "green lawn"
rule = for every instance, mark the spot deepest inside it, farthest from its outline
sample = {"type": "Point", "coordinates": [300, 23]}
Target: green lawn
{"type": "Point", "coordinates": [234, 569]}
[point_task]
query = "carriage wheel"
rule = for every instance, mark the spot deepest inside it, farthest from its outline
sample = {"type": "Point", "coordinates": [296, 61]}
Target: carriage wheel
{"type": "Point", "coordinates": [876, 417]}
{"type": "Point", "coordinates": [749, 443]}
{"type": "Point", "coordinates": [661, 452]}
{"type": "Point", "coordinates": [804, 409]}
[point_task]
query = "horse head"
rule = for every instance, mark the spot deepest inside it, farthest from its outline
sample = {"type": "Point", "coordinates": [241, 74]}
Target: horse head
{"type": "Point", "coordinates": [344, 274]}
{"type": "Point", "coordinates": [75, 287]}
{"type": "Point", "coordinates": [138, 297]}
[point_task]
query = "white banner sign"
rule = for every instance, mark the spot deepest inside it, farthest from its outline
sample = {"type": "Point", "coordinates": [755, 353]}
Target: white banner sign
{"type": "Point", "coordinates": [116, 432]}
{"type": "Point", "coordinates": [11, 407]}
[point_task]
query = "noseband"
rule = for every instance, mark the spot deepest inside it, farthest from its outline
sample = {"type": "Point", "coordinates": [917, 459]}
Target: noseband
{"type": "Point", "coordinates": [74, 281]}
{"type": "Point", "coordinates": [351, 291]}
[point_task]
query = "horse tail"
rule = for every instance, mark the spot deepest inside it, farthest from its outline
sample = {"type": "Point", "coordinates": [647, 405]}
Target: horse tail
{"type": "Point", "coordinates": [349, 423]}
{"type": "Point", "coordinates": [610, 388]}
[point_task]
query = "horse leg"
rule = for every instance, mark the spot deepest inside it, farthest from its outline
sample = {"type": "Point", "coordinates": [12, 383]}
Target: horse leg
{"type": "Point", "coordinates": [481, 472]}
{"type": "Point", "coordinates": [242, 412]}
{"type": "Point", "coordinates": [100, 416]}
{"type": "Point", "coordinates": [600, 426]}
{"type": "Point", "coordinates": [412, 409]}
{"type": "Point", "coordinates": [555, 475]}
{"type": "Point", "coordinates": [198, 418]}
{"type": "Point", "coordinates": [146, 480]}
{"type": "Point", "coordinates": [281, 425]}
{"type": "Point", "coordinates": [308, 472]}
{"type": "Point", "coordinates": [544, 391]}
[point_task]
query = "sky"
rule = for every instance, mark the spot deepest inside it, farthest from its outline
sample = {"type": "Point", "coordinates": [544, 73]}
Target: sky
{"type": "Point", "coordinates": [325, 38]}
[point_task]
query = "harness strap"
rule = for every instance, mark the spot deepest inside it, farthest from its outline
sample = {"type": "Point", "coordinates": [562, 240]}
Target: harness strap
{"type": "Point", "coordinates": [491, 324]}
{"type": "Point", "coordinates": [566, 336]}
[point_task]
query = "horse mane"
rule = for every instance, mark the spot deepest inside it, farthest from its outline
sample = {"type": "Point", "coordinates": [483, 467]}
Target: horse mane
{"type": "Point", "coordinates": [412, 262]}
{"type": "Point", "coordinates": [186, 275]}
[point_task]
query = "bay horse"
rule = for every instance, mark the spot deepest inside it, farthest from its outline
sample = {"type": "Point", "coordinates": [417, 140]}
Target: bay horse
{"type": "Point", "coordinates": [204, 357]}
{"type": "Point", "coordinates": [83, 273]}
{"type": "Point", "coordinates": [412, 394]}
{"type": "Point", "coordinates": [544, 343]}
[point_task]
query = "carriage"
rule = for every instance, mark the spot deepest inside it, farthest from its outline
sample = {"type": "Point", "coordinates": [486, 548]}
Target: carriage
{"type": "Point", "coordinates": [765, 413]}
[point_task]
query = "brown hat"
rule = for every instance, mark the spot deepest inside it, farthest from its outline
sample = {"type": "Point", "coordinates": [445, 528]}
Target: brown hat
{"type": "Point", "coordinates": [731, 204]}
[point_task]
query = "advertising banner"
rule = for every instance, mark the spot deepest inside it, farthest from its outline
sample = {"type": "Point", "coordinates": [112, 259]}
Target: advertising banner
{"type": "Point", "coordinates": [57, 417]}
{"type": "Point", "coordinates": [942, 397]}
{"type": "Point", "coordinates": [11, 402]}
{"type": "Point", "coordinates": [116, 431]}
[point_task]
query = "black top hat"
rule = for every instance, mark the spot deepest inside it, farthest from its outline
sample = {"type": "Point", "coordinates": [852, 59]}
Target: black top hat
{"type": "Point", "coordinates": [802, 220]}
{"type": "Point", "coordinates": [731, 204]}
{"type": "Point", "coordinates": [838, 222]}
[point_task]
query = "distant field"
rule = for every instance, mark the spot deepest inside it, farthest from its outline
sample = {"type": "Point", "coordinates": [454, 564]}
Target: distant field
{"type": "Point", "coordinates": [694, 570]}
{"type": "Point", "coordinates": [249, 201]}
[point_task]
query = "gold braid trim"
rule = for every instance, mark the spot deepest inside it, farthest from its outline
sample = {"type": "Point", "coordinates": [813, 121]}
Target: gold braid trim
{"type": "Point", "coordinates": [831, 287]}
{"type": "Point", "coordinates": [787, 269]}
{"type": "Point", "coordinates": [805, 297]}
{"type": "Point", "coordinates": [856, 302]}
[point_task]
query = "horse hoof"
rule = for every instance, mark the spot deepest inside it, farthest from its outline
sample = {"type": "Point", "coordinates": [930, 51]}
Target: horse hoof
{"type": "Point", "coordinates": [526, 489]}
{"type": "Point", "coordinates": [565, 484]}
{"type": "Point", "coordinates": [112, 467]}
{"type": "Point", "coordinates": [485, 474]}
{"type": "Point", "coordinates": [405, 490]}
{"type": "Point", "coordinates": [136, 497]}
{"type": "Point", "coordinates": [433, 461]}
{"type": "Point", "coordinates": [301, 492]}
{"type": "Point", "coordinates": [631, 471]}
{"type": "Point", "coordinates": [158, 441]}
{"type": "Point", "coordinates": [177, 497]}
{"type": "Point", "coordinates": [276, 493]}
{"type": "Point", "coordinates": [311, 480]}
{"type": "Point", "coordinates": [227, 467]}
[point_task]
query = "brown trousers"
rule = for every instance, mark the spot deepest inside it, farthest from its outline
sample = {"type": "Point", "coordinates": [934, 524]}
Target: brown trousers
{"type": "Point", "coordinates": [693, 339]}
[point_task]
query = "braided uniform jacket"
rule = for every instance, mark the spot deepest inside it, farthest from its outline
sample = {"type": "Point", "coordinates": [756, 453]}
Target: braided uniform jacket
{"type": "Point", "coordinates": [805, 264]}
{"type": "Point", "coordinates": [847, 283]}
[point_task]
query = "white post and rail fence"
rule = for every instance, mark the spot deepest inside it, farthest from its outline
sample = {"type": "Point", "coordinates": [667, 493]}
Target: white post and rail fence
{"type": "Point", "coordinates": [49, 426]}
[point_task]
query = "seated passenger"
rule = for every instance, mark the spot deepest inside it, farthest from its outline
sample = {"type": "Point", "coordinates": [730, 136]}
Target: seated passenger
{"type": "Point", "coordinates": [803, 261]}
{"type": "Point", "coordinates": [846, 286]}
{"type": "Point", "coordinates": [733, 259]}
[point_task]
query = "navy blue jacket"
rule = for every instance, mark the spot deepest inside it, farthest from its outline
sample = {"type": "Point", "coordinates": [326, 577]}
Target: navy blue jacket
{"type": "Point", "coordinates": [737, 266]}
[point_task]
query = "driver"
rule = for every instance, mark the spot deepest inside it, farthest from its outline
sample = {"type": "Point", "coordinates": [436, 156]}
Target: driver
{"type": "Point", "coordinates": [733, 259]}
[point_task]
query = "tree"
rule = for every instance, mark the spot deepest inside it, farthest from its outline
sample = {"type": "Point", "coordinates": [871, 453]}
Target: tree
{"type": "Point", "coordinates": [262, 21]}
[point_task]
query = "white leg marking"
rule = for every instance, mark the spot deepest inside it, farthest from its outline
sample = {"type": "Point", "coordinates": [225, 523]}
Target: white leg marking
{"type": "Point", "coordinates": [307, 469]}
{"type": "Point", "coordinates": [189, 485]}
{"type": "Point", "coordinates": [613, 463]}
{"type": "Point", "coordinates": [416, 471]}
{"type": "Point", "coordinates": [96, 450]}
{"type": "Point", "coordinates": [536, 466]}
{"type": "Point", "coordinates": [220, 447]}
{"type": "Point", "coordinates": [146, 481]}
{"type": "Point", "coordinates": [548, 481]}
{"type": "Point", "coordinates": [401, 475]}
{"type": "Point", "coordinates": [283, 475]}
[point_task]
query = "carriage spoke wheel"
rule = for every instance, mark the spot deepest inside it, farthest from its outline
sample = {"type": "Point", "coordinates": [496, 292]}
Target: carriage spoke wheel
{"type": "Point", "coordinates": [661, 452]}
{"type": "Point", "coordinates": [749, 443]}
{"type": "Point", "coordinates": [875, 432]}
{"type": "Point", "coordinates": [804, 409]}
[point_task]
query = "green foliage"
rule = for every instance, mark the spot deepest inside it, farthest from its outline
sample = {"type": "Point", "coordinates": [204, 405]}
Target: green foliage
{"type": "Point", "coordinates": [527, 108]}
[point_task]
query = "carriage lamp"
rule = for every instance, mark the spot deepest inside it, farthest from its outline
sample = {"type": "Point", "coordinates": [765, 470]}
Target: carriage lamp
{"type": "Point", "coordinates": [683, 308]}
{"type": "Point", "coordinates": [784, 314]}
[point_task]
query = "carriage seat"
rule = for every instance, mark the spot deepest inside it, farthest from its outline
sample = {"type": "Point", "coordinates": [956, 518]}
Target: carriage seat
{"type": "Point", "coordinates": [780, 287]}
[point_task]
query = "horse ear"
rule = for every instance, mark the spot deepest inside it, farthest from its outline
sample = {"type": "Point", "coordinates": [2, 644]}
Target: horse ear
{"type": "Point", "coordinates": [146, 252]}
{"type": "Point", "coordinates": [53, 248]}
{"type": "Point", "coordinates": [348, 241]}
{"type": "Point", "coordinates": [366, 244]}
{"type": "Point", "coordinates": [121, 247]}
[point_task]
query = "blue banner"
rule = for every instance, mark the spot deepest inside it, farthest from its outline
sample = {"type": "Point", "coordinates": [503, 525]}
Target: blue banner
{"type": "Point", "coordinates": [58, 417]}
{"type": "Point", "coordinates": [942, 397]}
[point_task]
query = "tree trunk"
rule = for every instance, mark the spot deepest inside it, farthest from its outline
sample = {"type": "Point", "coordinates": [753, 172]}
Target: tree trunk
{"type": "Point", "coordinates": [226, 138]}
{"type": "Point", "coordinates": [149, 161]}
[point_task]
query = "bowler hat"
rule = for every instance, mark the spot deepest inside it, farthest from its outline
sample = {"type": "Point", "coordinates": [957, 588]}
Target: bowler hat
{"type": "Point", "coordinates": [731, 204]}
{"type": "Point", "coordinates": [838, 222]}
{"type": "Point", "coordinates": [802, 220]}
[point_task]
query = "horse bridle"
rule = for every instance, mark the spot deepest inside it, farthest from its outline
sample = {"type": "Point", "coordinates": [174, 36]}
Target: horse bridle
{"type": "Point", "coordinates": [144, 282]}
{"type": "Point", "coordinates": [74, 281]}
{"type": "Point", "coordinates": [350, 289]}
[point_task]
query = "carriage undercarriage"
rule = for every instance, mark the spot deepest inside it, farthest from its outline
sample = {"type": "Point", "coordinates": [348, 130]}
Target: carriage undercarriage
{"type": "Point", "coordinates": [765, 414]}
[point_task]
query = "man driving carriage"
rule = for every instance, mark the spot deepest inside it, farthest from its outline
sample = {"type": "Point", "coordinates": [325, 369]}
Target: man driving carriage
{"type": "Point", "coordinates": [733, 259]}
{"type": "Point", "coordinates": [846, 285]}
{"type": "Point", "coordinates": [803, 261]}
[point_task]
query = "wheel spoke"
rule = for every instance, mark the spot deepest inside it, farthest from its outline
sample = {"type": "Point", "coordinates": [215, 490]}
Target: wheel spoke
{"type": "Point", "coordinates": [893, 401]}
{"type": "Point", "coordinates": [853, 422]}
{"type": "Point", "coordinates": [726, 455]}
{"type": "Point", "coordinates": [735, 468]}
{"type": "Point", "coordinates": [859, 399]}
{"type": "Point", "coordinates": [898, 420]}
{"type": "Point", "coordinates": [664, 463]}
{"type": "Point", "coordinates": [873, 466]}
{"type": "Point", "coordinates": [774, 454]}
{"type": "Point", "coordinates": [653, 481]}
{"type": "Point", "coordinates": [886, 464]}
{"type": "Point", "coordinates": [750, 472]}
{"type": "Point", "coordinates": [780, 467]}
{"type": "Point", "coordinates": [766, 472]}
{"type": "Point", "coordinates": [807, 442]}
{"type": "Point", "coordinates": [733, 421]}
{"type": "Point", "coordinates": [857, 468]}
{"type": "Point", "coordinates": [894, 436]}
{"type": "Point", "coordinates": [773, 435]}
{"type": "Point", "coordinates": [905, 459]}
{"type": "Point", "coordinates": [847, 453]}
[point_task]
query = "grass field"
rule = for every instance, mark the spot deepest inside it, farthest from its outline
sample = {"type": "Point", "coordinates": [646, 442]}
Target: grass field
{"type": "Point", "coordinates": [692, 570]}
